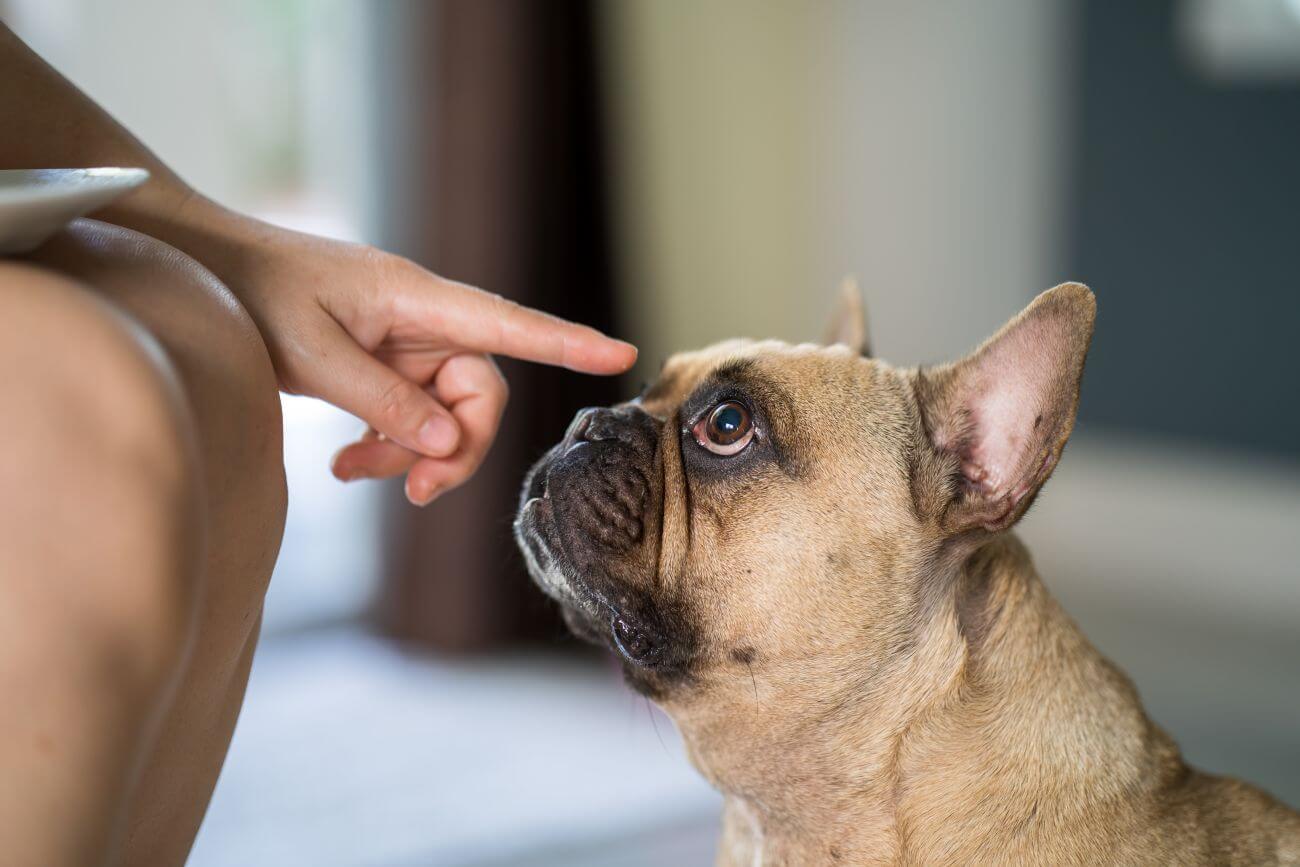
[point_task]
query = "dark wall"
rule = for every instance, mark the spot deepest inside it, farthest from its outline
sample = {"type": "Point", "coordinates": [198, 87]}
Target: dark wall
{"type": "Point", "coordinates": [506, 190]}
{"type": "Point", "coordinates": [1186, 221]}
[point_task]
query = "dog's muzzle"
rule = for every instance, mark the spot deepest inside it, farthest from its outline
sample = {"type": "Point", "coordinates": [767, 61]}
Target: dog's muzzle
{"type": "Point", "coordinates": [589, 526]}
{"type": "Point", "coordinates": [585, 502]}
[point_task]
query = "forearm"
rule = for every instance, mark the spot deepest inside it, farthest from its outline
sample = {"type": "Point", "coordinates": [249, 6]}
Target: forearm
{"type": "Point", "coordinates": [46, 122]}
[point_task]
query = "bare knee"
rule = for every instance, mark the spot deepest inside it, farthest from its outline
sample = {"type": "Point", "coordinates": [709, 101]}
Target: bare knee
{"type": "Point", "coordinates": [231, 392]}
{"type": "Point", "coordinates": [99, 505]}
{"type": "Point", "coordinates": [213, 344]}
{"type": "Point", "coordinates": [231, 395]}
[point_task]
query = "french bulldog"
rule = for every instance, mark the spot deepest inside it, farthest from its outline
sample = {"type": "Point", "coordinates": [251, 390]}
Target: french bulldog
{"type": "Point", "coordinates": [804, 556]}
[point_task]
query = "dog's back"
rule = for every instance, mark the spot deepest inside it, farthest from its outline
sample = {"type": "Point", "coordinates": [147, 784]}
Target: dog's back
{"type": "Point", "coordinates": [1235, 823]}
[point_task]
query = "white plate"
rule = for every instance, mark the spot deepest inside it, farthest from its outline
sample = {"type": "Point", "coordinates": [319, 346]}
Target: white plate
{"type": "Point", "coordinates": [36, 203]}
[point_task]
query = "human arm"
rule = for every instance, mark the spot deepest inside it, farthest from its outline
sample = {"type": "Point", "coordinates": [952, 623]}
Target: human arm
{"type": "Point", "coordinates": [403, 349]}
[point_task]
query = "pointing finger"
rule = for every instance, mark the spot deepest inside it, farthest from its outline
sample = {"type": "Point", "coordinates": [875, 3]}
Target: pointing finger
{"type": "Point", "coordinates": [496, 325]}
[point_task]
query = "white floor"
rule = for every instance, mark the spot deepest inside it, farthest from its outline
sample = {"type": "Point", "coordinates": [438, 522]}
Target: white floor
{"type": "Point", "coordinates": [352, 753]}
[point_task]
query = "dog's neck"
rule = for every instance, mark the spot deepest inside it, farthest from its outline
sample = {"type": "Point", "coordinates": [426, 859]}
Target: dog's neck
{"type": "Point", "coordinates": [995, 719]}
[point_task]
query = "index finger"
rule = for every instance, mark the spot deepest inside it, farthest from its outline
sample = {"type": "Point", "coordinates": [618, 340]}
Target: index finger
{"type": "Point", "coordinates": [490, 323]}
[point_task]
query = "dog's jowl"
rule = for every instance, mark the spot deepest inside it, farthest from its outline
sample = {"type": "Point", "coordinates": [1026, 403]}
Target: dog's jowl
{"type": "Point", "coordinates": [804, 555]}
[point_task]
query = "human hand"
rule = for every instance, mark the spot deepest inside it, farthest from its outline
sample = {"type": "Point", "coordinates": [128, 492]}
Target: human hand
{"type": "Point", "coordinates": [406, 351]}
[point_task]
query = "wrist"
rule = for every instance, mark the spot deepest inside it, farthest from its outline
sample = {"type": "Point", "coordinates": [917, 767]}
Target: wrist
{"type": "Point", "coordinates": [179, 215]}
{"type": "Point", "coordinates": [152, 206]}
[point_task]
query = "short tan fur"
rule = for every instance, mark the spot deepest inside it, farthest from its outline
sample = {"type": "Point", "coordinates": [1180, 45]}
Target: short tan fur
{"type": "Point", "coordinates": [877, 674]}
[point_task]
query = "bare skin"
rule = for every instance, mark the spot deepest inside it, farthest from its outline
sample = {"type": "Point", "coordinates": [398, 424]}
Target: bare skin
{"type": "Point", "coordinates": [142, 488]}
{"type": "Point", "coordinates": [96, 615]}
{"type": "Point", "coordinates": [229, 386]}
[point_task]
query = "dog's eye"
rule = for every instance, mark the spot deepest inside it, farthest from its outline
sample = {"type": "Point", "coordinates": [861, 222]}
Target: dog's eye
{"type": "Point", "coordinates": [726, 429]}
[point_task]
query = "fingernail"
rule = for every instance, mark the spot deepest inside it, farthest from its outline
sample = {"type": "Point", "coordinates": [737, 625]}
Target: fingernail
{"type": "Point", "coordinates": [422, 500]}
{"type": "Point", "coordinates": [438, 435]}
{"type": "Point", "coordinates": [631, 350]}
{"type": "Point", "coordinates": [346, 475]}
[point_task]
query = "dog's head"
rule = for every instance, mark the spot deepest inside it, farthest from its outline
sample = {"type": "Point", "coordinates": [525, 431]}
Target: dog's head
{"type": "Point", "coordinates": [777, 507]}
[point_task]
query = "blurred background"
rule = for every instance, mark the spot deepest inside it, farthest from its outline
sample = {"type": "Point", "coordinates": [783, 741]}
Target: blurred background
{"type": "Point", "coordinates": [680, 171]}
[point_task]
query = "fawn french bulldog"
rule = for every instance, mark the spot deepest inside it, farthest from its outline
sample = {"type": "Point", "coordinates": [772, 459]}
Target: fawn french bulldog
{"type": "Point", "coordinates": [804, 555]}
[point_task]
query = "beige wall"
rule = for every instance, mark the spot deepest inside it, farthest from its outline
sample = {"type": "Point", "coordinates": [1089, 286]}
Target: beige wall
{"type": "Point", "coordinates": [766, 148]}
{"type": "Point", "coordinates": [769, 147]}
{"type": "Point", "coordinates": [715, 148]}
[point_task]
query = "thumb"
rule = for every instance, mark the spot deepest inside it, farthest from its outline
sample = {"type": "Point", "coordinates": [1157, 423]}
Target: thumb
{"type": "Point", "coordinates": [355, 381]}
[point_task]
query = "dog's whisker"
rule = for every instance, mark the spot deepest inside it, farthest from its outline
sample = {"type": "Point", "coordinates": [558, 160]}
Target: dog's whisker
{"type": "Point", "coordinates": [654, 724]}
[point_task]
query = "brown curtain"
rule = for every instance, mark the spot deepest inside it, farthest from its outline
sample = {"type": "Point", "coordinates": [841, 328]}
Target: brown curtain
{"type": "Point", "coordinates": [508, 162]}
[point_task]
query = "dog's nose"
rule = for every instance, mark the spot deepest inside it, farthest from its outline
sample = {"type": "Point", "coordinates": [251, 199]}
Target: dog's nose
{"type": "Point", "coordinates": [597, 423]}
{"type": "Point", "coordinates": [581, 425]}
{"type": "Point", "coordinates": [624, 424]}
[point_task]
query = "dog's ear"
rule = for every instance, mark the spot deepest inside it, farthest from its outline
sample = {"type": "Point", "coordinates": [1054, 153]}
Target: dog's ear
{"type": "Point", "coordinates": [849, 321]}
{"type": "Point", "coordinates": [1001, 416]}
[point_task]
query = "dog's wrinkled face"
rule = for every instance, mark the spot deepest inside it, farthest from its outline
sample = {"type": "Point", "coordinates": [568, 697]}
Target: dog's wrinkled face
{"type": "Point", "coordinates": [772, 507]}
{"type": "Point", "coordinates": [709, 521]}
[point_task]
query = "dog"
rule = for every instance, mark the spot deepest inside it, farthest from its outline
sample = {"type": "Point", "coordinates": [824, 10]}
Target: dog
{"type": "Point", "coordinates": [804, 556]}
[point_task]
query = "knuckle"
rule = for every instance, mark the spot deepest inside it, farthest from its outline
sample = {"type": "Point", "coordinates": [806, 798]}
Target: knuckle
{"type": "Point", "coordinates": [396, 275]}
{"type": "Point", "coordinates": [392, 265]}
{"type": "Point", "coordinates": [501, 307]}
{"type": "Point", "coordinates": [392, 405]}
